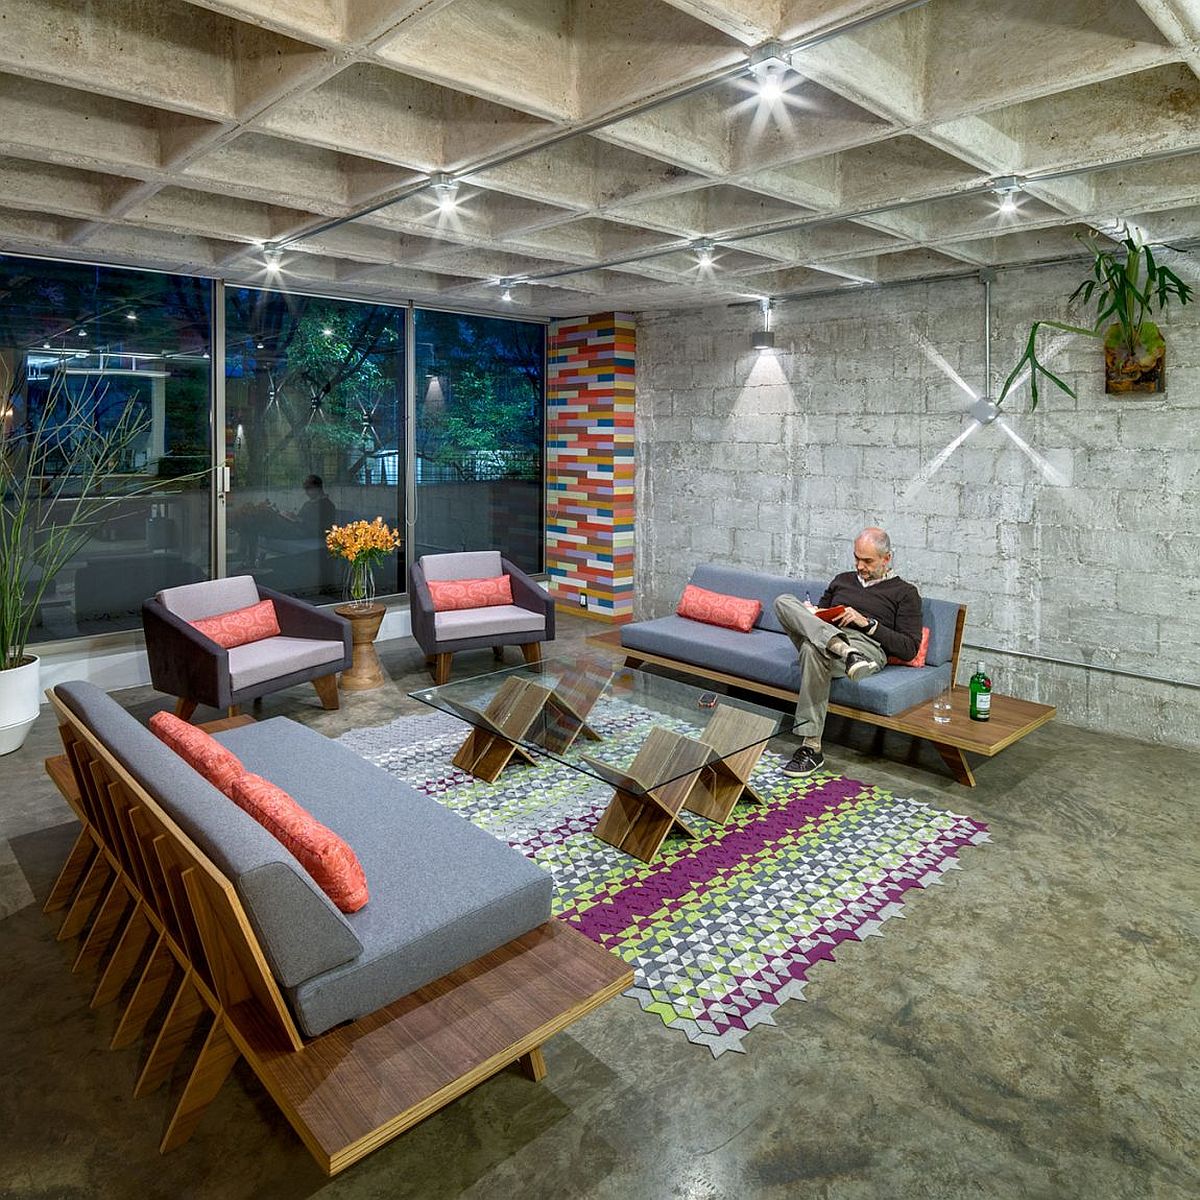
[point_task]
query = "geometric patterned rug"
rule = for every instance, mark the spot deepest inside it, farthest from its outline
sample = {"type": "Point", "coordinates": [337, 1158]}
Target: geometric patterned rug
{"type": "Point", "coordinates": [720, 929]}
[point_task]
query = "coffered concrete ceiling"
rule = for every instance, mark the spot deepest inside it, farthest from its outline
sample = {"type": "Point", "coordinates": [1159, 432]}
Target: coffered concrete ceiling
{"type": "Point", "coordinates": [593, 142]}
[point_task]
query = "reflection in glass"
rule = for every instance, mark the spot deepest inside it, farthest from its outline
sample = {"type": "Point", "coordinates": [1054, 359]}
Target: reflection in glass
{"type": "Point", "coordinates": [87, 344]}
{"type": "Point", "coordinates": [314, 433]}
{"type": "Point", "coordinates": [480, 408]}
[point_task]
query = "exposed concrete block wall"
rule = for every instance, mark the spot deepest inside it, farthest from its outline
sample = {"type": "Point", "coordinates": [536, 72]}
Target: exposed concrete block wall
{"type": "Point", "coordinates": [1085, 549]}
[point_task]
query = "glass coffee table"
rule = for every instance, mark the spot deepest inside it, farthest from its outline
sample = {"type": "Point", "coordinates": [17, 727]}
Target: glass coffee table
{"type": "Point", "coordinates": [664, 746]}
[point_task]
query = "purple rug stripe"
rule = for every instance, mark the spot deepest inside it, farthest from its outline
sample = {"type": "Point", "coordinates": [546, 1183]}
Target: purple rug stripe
{"type": "Point", "coordinates": [673, 880]}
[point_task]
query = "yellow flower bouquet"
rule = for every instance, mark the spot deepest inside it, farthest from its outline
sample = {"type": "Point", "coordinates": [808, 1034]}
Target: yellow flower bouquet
{"type": "Point", "coordinates": [362, 544]}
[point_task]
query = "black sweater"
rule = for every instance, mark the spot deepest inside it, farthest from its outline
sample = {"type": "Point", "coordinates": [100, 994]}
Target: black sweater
{"type": "Point", "coordinates": [895, 604]}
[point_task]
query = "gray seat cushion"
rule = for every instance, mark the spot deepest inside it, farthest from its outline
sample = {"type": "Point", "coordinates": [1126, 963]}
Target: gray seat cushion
{"type": "Point", "coordinates": [466, 564]}
{"type": "Point", "coordinates": [756, 585]}
{"type": "Point", "coordinates": [274, 657]}
{"type": "Point", "coordinates": [195, 601]}
{"type": "Point", "coordinates": [443, 891]}
{"type": "Point", "coordinates": [758, 655]}
{"type": "Point", "coordinates": [493, 621]}
{"type": "Point", "coordinates": [300, 931]}
{"type": "Point", "coordinates": [893, 690]}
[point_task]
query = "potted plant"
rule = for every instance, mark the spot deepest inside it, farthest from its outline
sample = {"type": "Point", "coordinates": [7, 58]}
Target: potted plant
{"type": "Point", "coordinates": [52, 473]}
{"type": "Point", "coordinates": [1128, 285]}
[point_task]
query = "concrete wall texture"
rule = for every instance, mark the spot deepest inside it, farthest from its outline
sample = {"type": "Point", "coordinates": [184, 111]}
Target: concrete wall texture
{"type": "Point", "coordinates": [1070, 533]}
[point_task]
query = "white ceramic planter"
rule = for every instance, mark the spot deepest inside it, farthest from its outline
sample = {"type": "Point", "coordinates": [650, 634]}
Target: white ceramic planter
{"type": "Point", "coordinates": [20, 697]}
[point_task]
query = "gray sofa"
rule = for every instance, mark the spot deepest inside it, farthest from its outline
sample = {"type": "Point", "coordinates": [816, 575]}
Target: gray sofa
{"type": "Point", "coordinates": [766, 655]}
{"type": "Point", "coordinates": [442, 891]}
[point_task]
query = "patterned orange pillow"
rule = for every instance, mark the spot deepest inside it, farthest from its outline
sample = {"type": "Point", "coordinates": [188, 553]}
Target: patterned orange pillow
{"type": "Point", "coordinates": [449, 594]}
{"type": "Point", "coordinates": [200, 751]}
{"type": "Point", "coordinates": [918, 660]}
{"type": "Point", "coordinates": [242, 625]}
{"type": "Point", "coordinates": [715, 608]}
{"type": "Point", "coordinates": [325, 856]}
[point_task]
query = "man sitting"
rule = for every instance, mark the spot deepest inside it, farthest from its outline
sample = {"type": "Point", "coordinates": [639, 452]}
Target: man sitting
{"type": "Point", "coordinates": [882, 617]}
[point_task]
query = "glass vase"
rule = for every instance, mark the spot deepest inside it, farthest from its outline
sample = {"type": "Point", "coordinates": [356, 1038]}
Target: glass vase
{"type": "Point", "coordinates": [360, 585]}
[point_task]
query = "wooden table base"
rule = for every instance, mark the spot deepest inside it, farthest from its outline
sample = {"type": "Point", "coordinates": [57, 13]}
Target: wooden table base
{"type": "Point", "coordinates": [365, 672]}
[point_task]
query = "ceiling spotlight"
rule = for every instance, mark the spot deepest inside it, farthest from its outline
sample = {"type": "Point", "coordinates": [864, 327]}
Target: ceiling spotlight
{"type": "Point", "coordinates": [769, 65]}
{"type": "Point", "coordinates": [131, 316]}
{"type": "Point", "coordinates": [506, 289]}
{"type": "Point", "coordinates": [704, 252]}
{"type": "Point", "coordinates": [985, 411]}
{"type": "Point", "coordinates": [327, 332]}
{"type": "Point", "coordinates": [82, 332]}
{"type": "Point", "coordinates": [1007, 188]}
{"type": "Point", "coordinates": [258, 345]}
{"type": "Point", "coordinates": [273, 256]}
{"type": "Point", "coordinates": [45, 345]}
{"type": "Point", "coordinates": [445, 191]}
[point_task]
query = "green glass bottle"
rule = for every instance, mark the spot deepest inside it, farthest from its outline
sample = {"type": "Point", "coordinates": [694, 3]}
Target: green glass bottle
{"type": "Point", "coordinates": [981, 694]}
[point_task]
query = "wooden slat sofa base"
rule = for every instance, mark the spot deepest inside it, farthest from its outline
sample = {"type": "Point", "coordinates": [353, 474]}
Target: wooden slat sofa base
{"type": "Point", "coordinates": [151, 910]}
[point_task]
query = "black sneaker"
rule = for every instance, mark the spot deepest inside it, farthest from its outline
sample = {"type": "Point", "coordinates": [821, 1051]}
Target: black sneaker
{"type": "Point", "coordinates": [858, 666]}
{"type": "Point", "coordinates": [805, 761]}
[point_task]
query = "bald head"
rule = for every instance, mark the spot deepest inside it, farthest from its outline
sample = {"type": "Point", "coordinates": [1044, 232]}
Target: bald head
{"type": "Point", "coordinates": [872, 554]}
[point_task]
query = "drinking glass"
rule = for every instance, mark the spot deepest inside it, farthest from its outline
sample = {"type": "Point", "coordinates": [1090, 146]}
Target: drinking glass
{"type": "Point", "coordinates": [942, 707]}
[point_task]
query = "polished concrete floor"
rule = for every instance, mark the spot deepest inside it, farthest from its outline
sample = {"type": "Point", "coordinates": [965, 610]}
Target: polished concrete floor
{"type": "Point", "coordinates": [1029, 1030]}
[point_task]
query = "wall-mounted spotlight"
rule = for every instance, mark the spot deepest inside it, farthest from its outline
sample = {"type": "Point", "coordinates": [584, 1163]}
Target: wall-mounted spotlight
{"type": "Point", "coordinates": [704, 248]}
{"type": "Point", "coordinates": [445, 191]}
{"type": "Point", "coordinates": [769, 65]}
{"type": "Point", "coordinates": [763, 340]}
{"type": "Point", "coordinates": [1007, 188]}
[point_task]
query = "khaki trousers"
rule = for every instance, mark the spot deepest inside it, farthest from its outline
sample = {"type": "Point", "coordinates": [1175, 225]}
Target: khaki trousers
{"type": "Point", "coordinates": [811, 637]}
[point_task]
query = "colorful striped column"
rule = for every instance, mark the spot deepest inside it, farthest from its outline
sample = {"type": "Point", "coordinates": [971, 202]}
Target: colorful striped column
{"type": "Point", "coordinates": [589, 465]}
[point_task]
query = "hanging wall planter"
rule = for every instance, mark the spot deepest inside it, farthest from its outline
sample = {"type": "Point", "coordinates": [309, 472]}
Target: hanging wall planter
{"type": "Point", "coordinates": [1142, 371]}
{"type": "Point", "coordinates": [1128, 285]}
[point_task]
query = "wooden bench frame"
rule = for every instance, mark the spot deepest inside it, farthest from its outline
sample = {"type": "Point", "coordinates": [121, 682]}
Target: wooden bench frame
{"type": "Point", "coordinates": [1011, 718]}
{"type": "Point", "coordinates": [158, 920]}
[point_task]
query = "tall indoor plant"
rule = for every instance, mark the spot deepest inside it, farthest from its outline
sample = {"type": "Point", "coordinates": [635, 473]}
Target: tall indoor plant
{"type": "Point", "coordinates": [52, 473]}
{"type": "Point", "coordinates": [1129, 286]}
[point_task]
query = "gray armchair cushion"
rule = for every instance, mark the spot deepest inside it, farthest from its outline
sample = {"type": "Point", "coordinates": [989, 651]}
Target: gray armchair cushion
{"type": "Point", "coordinates": [195, 601]}
{"type": "Point", "coordinates": [497, 620]}
{"type": "Point", "coordinates": [443, 891]}
{"type": "Point", "coordinates": [275, 657]}
{"type": "Point", "coordinates": [301, 932]}
{"type": "Point", "coordinates": [467, 564]}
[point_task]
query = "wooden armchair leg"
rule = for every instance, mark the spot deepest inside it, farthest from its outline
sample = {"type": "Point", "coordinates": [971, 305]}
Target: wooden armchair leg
{"type": "Point", "coordinates": [185, 708]}
{"type": "Point", "coordinates": [532, 652]}
{"type": "Point", "coordinates": [327, 689]}
{"type": "Point", "coordinates": [441, 669]}
{"type": "Point", "coordinates": [498, 653]}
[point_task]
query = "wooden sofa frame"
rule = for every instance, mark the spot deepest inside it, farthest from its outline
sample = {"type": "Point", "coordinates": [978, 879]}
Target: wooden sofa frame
{"type": "Point", "coordinates": [1011, 719]}
{"type": "Point", "coordinates": [159, 920]}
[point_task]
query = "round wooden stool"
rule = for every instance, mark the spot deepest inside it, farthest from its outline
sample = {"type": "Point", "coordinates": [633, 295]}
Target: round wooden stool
{"type": "Point", "coordinates": [365, 672]}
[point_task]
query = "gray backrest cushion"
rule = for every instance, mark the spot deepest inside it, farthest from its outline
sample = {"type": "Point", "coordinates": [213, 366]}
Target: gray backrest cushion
{"type": "Point", "coordinates": [941, 616]}
{"type": "Point", "coordinates": [195, 601]}
{"type": "Point", "coordinates": [755, 585]}
{"type": "Point", "coordinates": [467, 564]}
{"type": "Point", "coordinates": [301, 932]}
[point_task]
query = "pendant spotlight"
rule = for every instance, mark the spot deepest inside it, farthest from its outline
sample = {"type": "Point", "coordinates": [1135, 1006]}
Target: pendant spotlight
{"type": "Point", "coordinates": [763, 340]}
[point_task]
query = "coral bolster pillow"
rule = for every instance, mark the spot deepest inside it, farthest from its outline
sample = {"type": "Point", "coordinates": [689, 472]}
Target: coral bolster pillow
{"type": "Point", "coordinates": [715, 608]}
{"type": "Point", "coordinates": [242, 625]}
{"type": "Point", "coordinates": [919, 659]}
{"type": "Point", "coordinates": [200, 751]}
{"type": "Point", "coordinates": [450, 594]}
{"type": "Point", "coordinates": [334, 867]}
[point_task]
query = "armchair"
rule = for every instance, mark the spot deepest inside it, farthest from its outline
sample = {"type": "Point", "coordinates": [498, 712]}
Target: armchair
{"type": "Point", "coordinates": [311, 646]}
{"type": "Point", "coordinates": [527, 622]}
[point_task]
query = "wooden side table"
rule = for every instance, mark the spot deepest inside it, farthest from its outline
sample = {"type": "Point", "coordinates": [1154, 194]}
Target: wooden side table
{"type": "Point", "coordinates": [365, 672]}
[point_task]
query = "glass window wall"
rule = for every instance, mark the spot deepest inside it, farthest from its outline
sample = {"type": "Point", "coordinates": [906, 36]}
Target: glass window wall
{"type": "Point", "coordinates": [479, 435]}
{"type": "Point", "coordinates": [85, 349]}
{"type": "Point", "coordinates": [314, 432]}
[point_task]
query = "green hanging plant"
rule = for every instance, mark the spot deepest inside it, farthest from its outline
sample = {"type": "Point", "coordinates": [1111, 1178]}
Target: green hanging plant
{"type": "Point", "coordinates": [1128, 285]}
